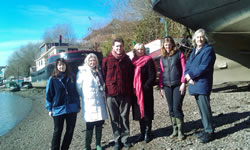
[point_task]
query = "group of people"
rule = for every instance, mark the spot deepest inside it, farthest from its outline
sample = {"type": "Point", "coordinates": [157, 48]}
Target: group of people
{"type": "Point", "coordinates": [121, 83]}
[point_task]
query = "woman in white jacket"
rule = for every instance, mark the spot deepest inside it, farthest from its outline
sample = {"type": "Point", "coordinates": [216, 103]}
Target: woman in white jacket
{"type": "Point", "coordinates": [90, 86]}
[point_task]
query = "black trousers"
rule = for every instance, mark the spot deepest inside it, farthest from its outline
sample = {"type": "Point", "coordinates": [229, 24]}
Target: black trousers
{"type": "Point", "coordinates": [91, 125]}
{"type": "Point", "coordinates": [145, 125]}
{"type": "Point", "coordinates": [58, 128]}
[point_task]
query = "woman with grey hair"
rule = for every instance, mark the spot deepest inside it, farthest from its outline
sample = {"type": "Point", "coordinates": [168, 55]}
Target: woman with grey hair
{"type": "Point", "coordinates": [90, 86]}
{"type": "Point", "coordinates": [199, 75]}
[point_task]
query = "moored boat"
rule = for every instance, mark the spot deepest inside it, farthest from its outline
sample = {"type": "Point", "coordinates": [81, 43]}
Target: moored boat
{"type": "Point", "coordinates": [50, 52]}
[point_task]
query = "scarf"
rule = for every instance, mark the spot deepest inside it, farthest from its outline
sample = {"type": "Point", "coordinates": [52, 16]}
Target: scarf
{"type": "Point", "coordinates": [118, 56]}
{"type": "Point", "coordinates": [97, 78]}
{"type": "Point", "coordinates": [137, 84]}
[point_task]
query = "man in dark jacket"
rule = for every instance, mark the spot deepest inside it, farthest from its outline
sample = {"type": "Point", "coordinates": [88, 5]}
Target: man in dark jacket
{"type": "Point", "coordinates": [118, 75]}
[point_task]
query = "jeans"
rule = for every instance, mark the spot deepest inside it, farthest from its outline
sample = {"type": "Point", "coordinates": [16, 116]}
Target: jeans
{"type": "Point", "coordinates": [58, 128]}
{"type": "Point", "coordinates": [174, 100]}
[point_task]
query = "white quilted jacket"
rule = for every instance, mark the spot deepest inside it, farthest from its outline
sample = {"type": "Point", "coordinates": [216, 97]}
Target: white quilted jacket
{"type": "Point", "coordinates": [93, 99]}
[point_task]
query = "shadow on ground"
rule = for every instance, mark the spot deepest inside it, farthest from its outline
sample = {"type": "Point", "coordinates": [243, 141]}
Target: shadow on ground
{"type": "Point", "coordinates": [229, 87]}
{"type": "Point", "coordinates": [192, 127]}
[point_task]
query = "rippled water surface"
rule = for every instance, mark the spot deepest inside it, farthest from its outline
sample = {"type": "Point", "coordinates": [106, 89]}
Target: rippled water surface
{"type": "Point", "coordinates": [12, 110]}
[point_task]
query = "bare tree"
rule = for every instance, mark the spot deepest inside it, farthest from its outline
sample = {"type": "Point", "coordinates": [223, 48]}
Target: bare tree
{"type": "Point", "coordinates": [21, 60]}
{"type": "Point", "coordinates": [141, 10]}
{"type": "Point", "coordinates": [52, 34]}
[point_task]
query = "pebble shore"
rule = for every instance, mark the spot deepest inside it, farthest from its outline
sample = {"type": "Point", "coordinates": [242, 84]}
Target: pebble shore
{"type": "Point", "coordinates": [230, 105]}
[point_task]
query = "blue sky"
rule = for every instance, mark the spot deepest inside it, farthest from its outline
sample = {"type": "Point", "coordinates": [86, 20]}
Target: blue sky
{"type": "Point", "coordinates": [24, 21]}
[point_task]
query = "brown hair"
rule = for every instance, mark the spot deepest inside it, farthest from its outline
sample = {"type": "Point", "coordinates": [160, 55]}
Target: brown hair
{"type": "Point", "coordinates": [118, 40]}
{"type": "Point", "coordinates": [56, 72]}
{"type": "Point", "coordinates": [164, 53]}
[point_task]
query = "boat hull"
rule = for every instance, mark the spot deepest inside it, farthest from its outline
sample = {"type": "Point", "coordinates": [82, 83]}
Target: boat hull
{"type": "Point", "coordinates": [227, 23]}
{"type": "Point", "coordinates": [212, 15]}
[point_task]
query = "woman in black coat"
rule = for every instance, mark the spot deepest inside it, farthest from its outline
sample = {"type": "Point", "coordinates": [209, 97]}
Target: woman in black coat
{"type": "Point", "coordinates": [144, 79]}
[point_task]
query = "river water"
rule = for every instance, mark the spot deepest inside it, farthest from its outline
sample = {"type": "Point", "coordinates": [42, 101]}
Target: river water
{"type": "Point", "coordinates": [13, 109]}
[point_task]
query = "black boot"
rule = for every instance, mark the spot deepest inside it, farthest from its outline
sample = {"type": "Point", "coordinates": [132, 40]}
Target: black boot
{"type": "Point", "coordinates": [88, 139]}
{"type": "Point", "coordinates": [98, 137]}
{"type": "Point", "coordinates": [142, 129]}
{"type": "Point", "coordinates": [148, 136]}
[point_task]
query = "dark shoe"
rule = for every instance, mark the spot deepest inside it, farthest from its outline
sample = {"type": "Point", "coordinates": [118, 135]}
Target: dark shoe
{"type": "Point", "coordinates": [200, 134]}
{"type": "Point", "coordinates": [143, 130]}
{"type": "Point", "coordinates": [148, 137]}
{"type": "Point", "coordinates": [207, 137]}
{"type": "Point", "coordinates": [117, 146]}
{"type": "Point", "coordinates": [140, 138]}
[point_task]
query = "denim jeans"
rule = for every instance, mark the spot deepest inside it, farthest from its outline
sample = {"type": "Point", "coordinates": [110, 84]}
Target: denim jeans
{"type": "Point", "coordinates": [58, 128]}
{"type": "Point", "coordinates": [174, 100]}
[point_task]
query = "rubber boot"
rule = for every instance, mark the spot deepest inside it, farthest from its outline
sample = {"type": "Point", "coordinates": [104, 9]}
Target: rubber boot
{"type": "Point", "coordinates": [180, 123]}
{"type": "Point", "coordinates": [142, 129]}
{"type": "Point", "coordinates": [98, 137]}
{"type": "Point", "coordinates": [174, 125]}
{"type": "Point", "coordinates": [148, 136]}
{"type": "Point", "coordinates": [88, 139]}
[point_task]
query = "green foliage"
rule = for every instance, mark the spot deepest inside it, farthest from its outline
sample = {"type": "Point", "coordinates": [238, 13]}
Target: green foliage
{"type": "Point", "coordinates": [106, 47]}
{"type": "Point", "coordinates": [128, 44]}
{"type": "Point", "coordinates": [175, 29]}
{"type": "Point", "coordinates": [149, 29]}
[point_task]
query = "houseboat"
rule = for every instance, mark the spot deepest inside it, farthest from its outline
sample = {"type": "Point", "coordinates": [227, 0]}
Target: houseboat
{"type": "Point", "coordinates": [50, 52]}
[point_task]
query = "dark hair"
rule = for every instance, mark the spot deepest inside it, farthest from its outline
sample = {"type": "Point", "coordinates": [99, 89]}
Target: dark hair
{"type": "Point", "coordinates": [56, 72]}
{"type": "Point", "coordinates": [118, 40]}
{"type": "Point", "coordinates": [164, 53]}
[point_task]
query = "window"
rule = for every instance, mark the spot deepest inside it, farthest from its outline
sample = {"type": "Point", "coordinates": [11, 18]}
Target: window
{"type": "Point", "coordinates": [61, 51]}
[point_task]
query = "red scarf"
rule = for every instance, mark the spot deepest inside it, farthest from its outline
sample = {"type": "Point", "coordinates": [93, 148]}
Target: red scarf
{"type": "Point", "coordinates": [138, 63]}
{"type": "Point", "coordinates": [118, 56]}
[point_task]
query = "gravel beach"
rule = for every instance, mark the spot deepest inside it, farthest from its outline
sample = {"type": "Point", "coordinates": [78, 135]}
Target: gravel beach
{"type": "Point", "coordinates": [230, 103]}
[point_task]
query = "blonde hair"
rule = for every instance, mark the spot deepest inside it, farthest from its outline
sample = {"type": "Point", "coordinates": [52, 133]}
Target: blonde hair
{"type": "Point", "coordinates": [164, 53]}
{"type": "Point", "coordinates": [139, 46]}
{"type": "Point", "coordinates": [202, 31]}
